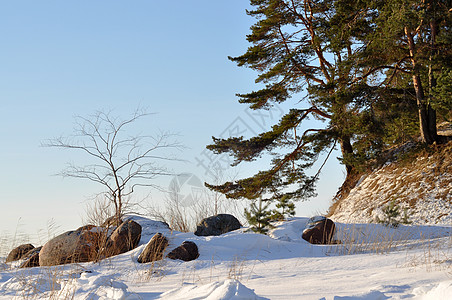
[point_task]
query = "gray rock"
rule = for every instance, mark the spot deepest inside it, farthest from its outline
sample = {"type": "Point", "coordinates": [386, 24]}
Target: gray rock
{"type": "Point", "coordinates": [154, 249]}
{"type": "Point", "coordinates": [18, 252]}
{"type": "Point", "coordinates": [319, 230]}
{"type": "Point", "coordinates": [217, 225]}
{"type": "Point", "coordinates": [187, 251]}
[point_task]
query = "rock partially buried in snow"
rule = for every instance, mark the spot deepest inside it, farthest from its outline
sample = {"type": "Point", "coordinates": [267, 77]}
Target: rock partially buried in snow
{"type": "Point", "coordinates": [224, 290]}
{"type": "Point", "coordinates": [154, 249]}
{"type": "Point", "coordinates": [85, 244]}
{"type": "Point", "coordinates": [71, 247]}
{"type": "Point", "coordinates": [319, 230]}
{"type": "Point", "coordinates": [187, 251]}
{"type": "Point", "coordinates": [18, 252]}
{"type": "Point", "coordinates": [217, 225]}
{"type": "Point", "coordinates": [125, 238]}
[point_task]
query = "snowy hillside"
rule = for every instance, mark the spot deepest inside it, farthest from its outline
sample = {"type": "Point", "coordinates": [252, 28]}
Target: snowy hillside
{"type": "Point", "coordinates": [421, 186]}
{"type": "Point", "coordinates": [371, 262]}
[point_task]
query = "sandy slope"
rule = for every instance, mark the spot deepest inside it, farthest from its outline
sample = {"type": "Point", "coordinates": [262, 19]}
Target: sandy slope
{"type": "Point", "coordinates": [421, 186]}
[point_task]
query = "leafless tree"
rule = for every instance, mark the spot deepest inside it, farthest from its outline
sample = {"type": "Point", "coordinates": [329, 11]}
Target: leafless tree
{"type": "Point", "coordinates": [121, 162]}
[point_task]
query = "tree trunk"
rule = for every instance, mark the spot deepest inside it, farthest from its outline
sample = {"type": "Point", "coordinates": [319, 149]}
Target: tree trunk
{"type": "Point", "coordinates": [115, 202]}
{"type": "Point", "coordinates": [119, 211]}
{"type": "Point", "coordinates": [431, 116]}
{"type": "Point", "coordinates": [424, 124]}
{"type": "Point", "coordinates": [347, 150]}
{"type": "Point", "coordinates": [431, 113]}
{"type": "Point", "coordinates": [427, 116]}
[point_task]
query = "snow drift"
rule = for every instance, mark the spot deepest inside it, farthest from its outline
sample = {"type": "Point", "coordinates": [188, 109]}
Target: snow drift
{"type": "Point", "coordinates": [371, 262]}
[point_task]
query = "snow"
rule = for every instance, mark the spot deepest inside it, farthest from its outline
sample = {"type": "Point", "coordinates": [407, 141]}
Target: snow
{"type": "Point", "coordinates": [371, 262]}
{"type": "Point", "coordinates": [440, 291]}
{"type": "Point", "coordinates": [227, 289]}
{"type": "Point", "coordinates": [376, 295]}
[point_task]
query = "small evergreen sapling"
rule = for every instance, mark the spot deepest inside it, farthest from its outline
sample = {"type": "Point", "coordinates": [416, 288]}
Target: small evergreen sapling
{"type": "Point", "coordinates": [259, 216]}
{"type": "Point", "coordinates": [392, 216]}
{"type": "Point", "coordinates": [285, 208]}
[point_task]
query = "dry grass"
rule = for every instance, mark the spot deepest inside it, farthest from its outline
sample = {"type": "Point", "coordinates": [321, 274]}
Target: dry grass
{"type": "Point", "coordinates": [51, 282]}
{"type": "Point", "coordinates": [432, 254]}
{"type": "Point", "coordinates": [435, 255]}
{"type": "Point", "coordinates": [157, 268]}
{"type": "Point", "coordinates": [185, 218]}
{"type": "Point", "coordinates": [368, 239]}
{"type": "Point", "coordinates": [155, 271]}
{"type": "Point", "coordinates": [33, 282]}
{"type": "Point", "coordinates": [4, 250]}
{"type": "Point", "coordinates": [236, 268]}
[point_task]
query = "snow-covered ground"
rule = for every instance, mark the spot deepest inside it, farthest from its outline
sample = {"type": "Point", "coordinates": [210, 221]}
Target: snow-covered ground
{"type": "Point", "coordinates": [371, 262]}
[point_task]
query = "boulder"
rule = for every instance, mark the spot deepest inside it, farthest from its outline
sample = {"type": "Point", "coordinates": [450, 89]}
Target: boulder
{"type": "Point", "coordinates": [31, 258]}
{"type": "Point", "coordinates": [18, 252]}
{"type": "Point", "coordinates": [124, 238]}
{"type": "Point", "coordinates": [154, 249]}
{"type": "Point", "coordinates": [187, 251]}
{"type": "Point", "coordinates": [319, 230]}
{"type": "Point", "coordinates": [217, 225]}
{"type": "Point", "coordinates": [80, 245]}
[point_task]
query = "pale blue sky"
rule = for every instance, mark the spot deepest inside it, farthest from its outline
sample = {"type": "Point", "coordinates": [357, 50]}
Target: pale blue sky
{"type": "Point", "coordinates": [64, 58]}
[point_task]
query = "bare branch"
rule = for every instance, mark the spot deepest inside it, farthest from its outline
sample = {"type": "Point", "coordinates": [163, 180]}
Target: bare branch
{"type": "Point", "coordinates": [123, 162]}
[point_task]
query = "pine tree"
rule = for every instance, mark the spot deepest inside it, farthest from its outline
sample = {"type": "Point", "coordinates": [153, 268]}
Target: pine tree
{"type": "Point", "coordinates": [443, 93]}
{"type": "Point", "coordinates": [259, 216]}
{"type": "Point", "coordinates": [295, 47]}
{"type": "Point", "coordinates": [405, 49]}
{"type": "Point", "coordinates": [371, 70]}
